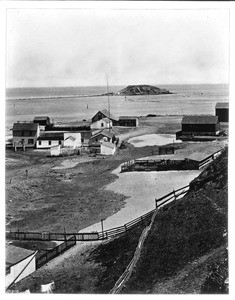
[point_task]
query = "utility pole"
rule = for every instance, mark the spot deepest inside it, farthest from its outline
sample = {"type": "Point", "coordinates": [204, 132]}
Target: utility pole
{"type": "Point", "coordinates": [108, 99]}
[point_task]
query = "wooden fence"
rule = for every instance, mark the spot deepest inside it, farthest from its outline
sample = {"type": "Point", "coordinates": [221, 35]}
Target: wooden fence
{"type": "Point", "coordinates": [174, 195]}
{"type": "Point", "coordinates": [48, 236]}
{"type": "Point", "coordinates": [167, 164]}
{"type": "Point", "coordinates": [45, 257]}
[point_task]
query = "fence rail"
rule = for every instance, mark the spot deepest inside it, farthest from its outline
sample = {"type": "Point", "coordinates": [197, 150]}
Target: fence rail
{"type": "Point", "coordinates": [44, 258]}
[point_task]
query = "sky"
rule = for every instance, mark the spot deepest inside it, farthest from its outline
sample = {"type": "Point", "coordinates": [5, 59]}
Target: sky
{"type": "Point", "coordinates": [78, 47]}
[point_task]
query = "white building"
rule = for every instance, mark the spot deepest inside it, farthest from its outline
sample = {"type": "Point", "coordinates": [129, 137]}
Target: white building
{"type": "Point", "coordinates": [49, 139]}
{"type": "Point", "coordinates": [102, 124]}
{"type": "Point", "coordinates": [19, 264]}
{"type": "Point", "coordinates": [107, 148]}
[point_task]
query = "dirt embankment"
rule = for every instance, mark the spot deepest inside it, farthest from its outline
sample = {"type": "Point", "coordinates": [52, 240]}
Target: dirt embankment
{"type": "Point", "coordinates": [188, 240]}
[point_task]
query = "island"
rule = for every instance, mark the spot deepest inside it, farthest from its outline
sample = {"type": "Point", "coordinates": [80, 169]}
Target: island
{"type": "Point", "coordinates": [145, 89]}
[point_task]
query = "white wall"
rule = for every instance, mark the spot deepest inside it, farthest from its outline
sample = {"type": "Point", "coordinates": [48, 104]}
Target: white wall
{"type": "Point", "coordinates": [69, 143]}
{"type": "Point", "coordinates": [45, 144]}
{"type": "Point", "coordinates": [55, 151]}
{"type": "Point", "coordinates": [106, 150]}
{"type": "Point", "coordinates": [98, 124]}
{"type": "Point", "coordinates": [16, 269]}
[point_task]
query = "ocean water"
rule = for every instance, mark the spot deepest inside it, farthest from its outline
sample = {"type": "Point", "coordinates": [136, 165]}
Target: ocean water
{"type": "Point", "coordinates": [77, 103]}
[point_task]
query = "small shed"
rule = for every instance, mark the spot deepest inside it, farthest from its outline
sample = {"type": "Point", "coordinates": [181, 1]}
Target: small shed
{"type": "Point", "coordinates": [101, 114]}
{"type": "Point", "coordinates": [42, 120]}
{"type": "Point", "coordinates": [222, 111]}
{"type": "Point", "coordinates": [200, 125]}
{"type": "Point", "coordinates": [20, 263]}
{"type": "Point", "coordinates": [25, 134]}
{"type": "Point", "coordinates": [55, 150]}
{"type": "Point", "coordinates": [107, 148]}
{"type": "Point", "coordinates": [102, 123]}
{"type": "Point", "coordinates": [101, 136]}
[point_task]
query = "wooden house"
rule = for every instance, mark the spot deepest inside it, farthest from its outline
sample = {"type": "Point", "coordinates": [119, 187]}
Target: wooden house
{"type": "Point", "coordinates": [20, 263]}
{"type": "Point", "coordinates": [49, 139]}
{"type": "Point", "coordinates": [101, 136]}
{"type": "Point", "coordinates": [222, 111]}
{"type": "Point", "coordinates": [103, 114]}
{"type": "Point", "coordinates": [25, 134]}
{"type": "Point", "coordinates": [42, 120]}
{"type": "Point", "coordinates": [203, 125]}
{"type": "Point", "coordinates": [102, 124]}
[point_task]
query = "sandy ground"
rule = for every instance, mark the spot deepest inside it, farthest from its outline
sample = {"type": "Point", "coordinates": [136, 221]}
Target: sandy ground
{"type": "Point", "coordinates": [153, 139]}
{"type": "Point", "coordinates": [141, 191]}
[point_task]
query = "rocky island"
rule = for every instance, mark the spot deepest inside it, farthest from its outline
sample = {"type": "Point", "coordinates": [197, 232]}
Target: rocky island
{"type": "Point", "coordinates": [131, 90]}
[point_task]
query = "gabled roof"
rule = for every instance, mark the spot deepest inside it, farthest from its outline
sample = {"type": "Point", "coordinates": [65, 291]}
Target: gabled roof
{"type": "Point", "coordinates": [104, 133]}
{"type": "Point", "coordinates": [107, 114]}
{"type": "Point", "coordinates": [25, 126]}
{"type": "Point", "coordinates": [41, 118]}
{"type": "Point", "coordinates": [16, 254]}
{"type": "Point", "coordinates": [200, 119]}
{"type": "Point", "coordinates": [108, 145]}
{"type": "Point", "coordinates": [51, 136]}
{"type": "Point", "coordinates": [70, 138]}
{"type": "Point", "coordinates": [222, 105]}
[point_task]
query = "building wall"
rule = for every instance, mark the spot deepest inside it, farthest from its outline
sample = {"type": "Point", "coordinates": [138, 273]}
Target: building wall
{"type": "Point", "coordinates": [55, 151]}
{"type": "Point", "coordinates": [101, 124]}
{"type": "Point", "coordinates": [222, 114]}
{"type": "Point", "coordinates": [106, 150]}
{"type": "Point", "coordinates": [69, 143]}
{"type": "Point", "coordinates": [29, 141]}
{"type": "Point", "coordinates": [200, 128]}
{"type": "Point", "coordinates": [29, 137]}
{"type": "Point", "coordinates": [16, 269]}
{"type": "Point", "coordinates": [47, 144]}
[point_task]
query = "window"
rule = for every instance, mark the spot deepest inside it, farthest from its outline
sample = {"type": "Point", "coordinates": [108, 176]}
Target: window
{"type": "Point", "coordinates": [59, 142]}
{"type": "Point", "coordinates": [40, 143]}
{"type": "Point", "coordinates": [102, 124]}
{"type": "Point", "coordinates": [82, 139]}
{"type": "Point", "coordinates": [30, 141]}
{"type": "Point", "coordinates": [49, 143]}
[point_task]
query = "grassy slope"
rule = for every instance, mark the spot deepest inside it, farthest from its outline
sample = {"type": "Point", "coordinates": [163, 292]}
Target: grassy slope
{"type": "Point", "coordinates": [186, 233]}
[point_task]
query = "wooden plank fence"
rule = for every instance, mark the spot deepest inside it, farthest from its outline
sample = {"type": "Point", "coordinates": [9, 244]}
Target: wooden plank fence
{"type": "Point", "coordinates": [167, 164]}
{"type": "Point", "coordinates": [50, 254]}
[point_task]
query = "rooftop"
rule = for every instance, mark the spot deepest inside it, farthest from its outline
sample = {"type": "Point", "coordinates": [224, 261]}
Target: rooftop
{"type": "Point", "coordinates": [51, 135]}
{"type": "Point", "coordinates": [108, 145]}
{"type": "Point", "coordinates": [200, 119]}
{"type": "Point", "coordinates": [108, 114]}
{"type": "Point", "coordinates": [15, 254]}
{"type": "Point", "coordinates": [103, 132]}
{"type": "Point", "coordinates": [25, 126]}
{"type": "Point", "coordinates": [222, 105]}
{"type": "Point", "coordinates": [41, 118]}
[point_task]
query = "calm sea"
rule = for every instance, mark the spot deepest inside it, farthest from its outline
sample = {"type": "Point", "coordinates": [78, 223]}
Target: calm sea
{"type": "Point", "coordinates": [77, 103]}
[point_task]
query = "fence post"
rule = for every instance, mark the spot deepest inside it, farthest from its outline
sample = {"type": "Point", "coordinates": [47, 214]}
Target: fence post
{"type": "Point", "coordinates": [156, 203]}
{"type": "Point", "coordinates": [65, 238]}
{"type": "Point", "coordinates": [102, 227]}
{"type": "Point", "coordinates": [174, 194]}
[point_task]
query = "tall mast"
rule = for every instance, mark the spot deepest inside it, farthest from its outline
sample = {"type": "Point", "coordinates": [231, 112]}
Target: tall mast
{"type": "Point", "coordinates": [108, 99]}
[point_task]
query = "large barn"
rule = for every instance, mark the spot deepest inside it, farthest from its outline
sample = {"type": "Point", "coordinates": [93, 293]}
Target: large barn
{"type": "Point", "coordinates": [221, 111]}
{"type": "Point", "coordinates": [200, 125]}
